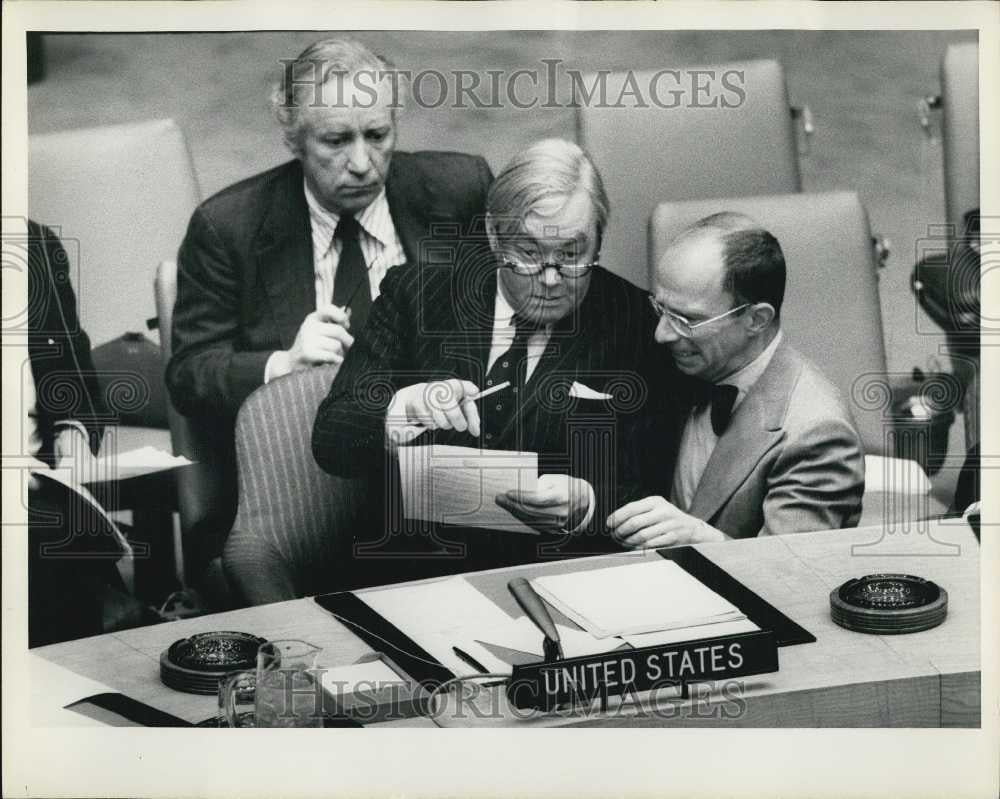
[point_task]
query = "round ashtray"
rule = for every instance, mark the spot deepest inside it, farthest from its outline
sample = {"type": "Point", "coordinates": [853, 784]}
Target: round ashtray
{"type": "Point", "coordinates": [196, 664]}
{"type": "Point", "coordinates": [888, 604]}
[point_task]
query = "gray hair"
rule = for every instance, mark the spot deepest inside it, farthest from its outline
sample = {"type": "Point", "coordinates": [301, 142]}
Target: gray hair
{"type": "Point", "coordinates": [301, 79]}
{"type": "Point", "coordinates": [541, 179]}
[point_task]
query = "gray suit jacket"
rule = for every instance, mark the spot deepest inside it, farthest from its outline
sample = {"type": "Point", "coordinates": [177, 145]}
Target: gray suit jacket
{"type": "Point", "coordinates": [790, 461]}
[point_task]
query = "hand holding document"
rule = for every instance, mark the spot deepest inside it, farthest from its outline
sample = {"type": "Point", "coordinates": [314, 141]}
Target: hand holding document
{"type": "Point", "coordinates": [459, 485]}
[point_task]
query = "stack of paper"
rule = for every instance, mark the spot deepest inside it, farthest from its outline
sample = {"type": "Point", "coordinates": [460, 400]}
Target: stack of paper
{"type": "Point", "coordinates": [635, 599]}
{"type": "Point", "coordinates": [459, 485]}
{"type": "Point", "coordinates": [442, 615]}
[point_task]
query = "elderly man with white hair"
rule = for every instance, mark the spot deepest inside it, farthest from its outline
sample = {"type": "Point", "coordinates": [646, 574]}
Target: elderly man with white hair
{"type": "Point", "coordinates": [535, 310]}
{"type": "Point", "coordinates": [277, 273]}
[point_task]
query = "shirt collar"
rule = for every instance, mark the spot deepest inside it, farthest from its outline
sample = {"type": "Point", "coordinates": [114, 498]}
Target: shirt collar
{"type": "Point", "coordinates": [750, 374]}
{"type": "Point", "coordinates": [325, 221]}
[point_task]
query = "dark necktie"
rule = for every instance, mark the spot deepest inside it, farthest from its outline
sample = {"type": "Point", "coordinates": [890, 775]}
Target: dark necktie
{"type": "Point", "coordinates": [500, 409]}
{"type": "Point", "coordinates": [350, 286]}
{"type": "Point", "coordinates": [721, 397]}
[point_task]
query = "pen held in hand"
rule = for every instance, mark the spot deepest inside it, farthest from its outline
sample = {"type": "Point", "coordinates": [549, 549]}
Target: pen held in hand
{"type": "Point", "coordinates": [487, 392]}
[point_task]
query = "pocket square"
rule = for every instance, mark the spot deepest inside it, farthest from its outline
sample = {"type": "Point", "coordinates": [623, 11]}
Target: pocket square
{"type": "Point", "coordinates": [584, 392]}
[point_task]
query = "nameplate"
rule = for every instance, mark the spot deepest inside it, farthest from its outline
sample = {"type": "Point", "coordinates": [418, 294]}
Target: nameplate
{"type": "Point", "coordinates": [544, 686]}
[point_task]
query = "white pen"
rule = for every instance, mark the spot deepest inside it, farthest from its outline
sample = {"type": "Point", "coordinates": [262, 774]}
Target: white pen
{"type": "Point", "coordinates": [489, 391]}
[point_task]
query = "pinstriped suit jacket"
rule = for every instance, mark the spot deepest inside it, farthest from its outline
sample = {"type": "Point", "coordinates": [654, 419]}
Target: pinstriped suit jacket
{"type": "Point", "coordinates": [436, 322]}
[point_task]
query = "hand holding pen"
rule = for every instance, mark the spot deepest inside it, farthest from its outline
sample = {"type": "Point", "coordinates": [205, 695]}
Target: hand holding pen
{"type": "Point", "coordinates": [442, 405]}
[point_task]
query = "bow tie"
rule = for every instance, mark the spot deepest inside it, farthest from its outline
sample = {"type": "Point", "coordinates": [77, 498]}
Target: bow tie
{"type": "Point", "coordinates": [721, 398]}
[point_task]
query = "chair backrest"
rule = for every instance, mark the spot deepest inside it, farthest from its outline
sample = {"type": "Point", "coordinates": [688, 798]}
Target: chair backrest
{"type": "Point", "coordinates": [960, 131]}
{"type": "Point", "coordinates": [305, 514]}
{"type": "Point", "coordinates": [831, 311]}
{"type": "Point", "coordinates": [744, 145]}
{"type": "Point", "coordinates": [200, 490]}
{"type": "Point", "coordinates": [120, 198]}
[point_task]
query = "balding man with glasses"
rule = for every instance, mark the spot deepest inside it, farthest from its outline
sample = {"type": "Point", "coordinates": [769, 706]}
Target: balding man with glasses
{"type": "Point", "coordinates": [767, 445]}
{"type": "Point", "coordinates": [533, 312]}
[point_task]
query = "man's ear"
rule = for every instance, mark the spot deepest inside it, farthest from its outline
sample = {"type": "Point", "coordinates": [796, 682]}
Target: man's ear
{"type": "Point", "coordinates": [761, 315]}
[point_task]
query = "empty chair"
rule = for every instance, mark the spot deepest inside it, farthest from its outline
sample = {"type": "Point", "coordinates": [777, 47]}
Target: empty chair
{"type": "Point", "coordinates": [960, 131]}
{"type": "Point", "coordinates": [120, 198]}
{"type": "Point", "coordinates": [736, 138]}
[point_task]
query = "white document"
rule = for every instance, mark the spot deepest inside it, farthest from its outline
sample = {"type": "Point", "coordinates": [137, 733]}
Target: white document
{"type": "Point", "coordinates": [635, 598]}
{"type": "Point", "coordinates": [53, 687]}
{"type": "Point", "coordinates": [680, 634]}
{"type": "Point", "coordinates": [444, 614]}
{"type": "Point", "coordinates": [575, 643]}
{"type": "Point", "coordinates": [137, 462]}
{"type": "Point", "coordinates": [896, 476]}
{"type": "Point", "coordinates": [372, 675]}
{"type": "Point", "coordinates": [459, 485]}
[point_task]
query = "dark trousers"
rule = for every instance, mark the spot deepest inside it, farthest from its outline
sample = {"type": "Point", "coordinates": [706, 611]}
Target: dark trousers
{"type": "Point", "coordinates": [66, 590]}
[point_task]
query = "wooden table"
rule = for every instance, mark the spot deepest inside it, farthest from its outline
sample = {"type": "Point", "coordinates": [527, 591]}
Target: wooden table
{"type": "Point", "coordinates": [844, 679]}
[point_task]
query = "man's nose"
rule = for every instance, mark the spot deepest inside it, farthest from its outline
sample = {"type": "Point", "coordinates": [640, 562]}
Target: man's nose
{"type": "Point", "coordinates": [665, 334]}
{"type": "Point", "coordinates": [551, 275]}
{"type": "Point", "coordinates": [358, 158]}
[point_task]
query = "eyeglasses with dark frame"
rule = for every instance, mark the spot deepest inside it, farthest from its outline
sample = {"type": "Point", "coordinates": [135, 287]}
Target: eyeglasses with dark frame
{"type": "Point", "coordinates": [681, 326]}
{"type": "Point", "coordinates": [528, 269]}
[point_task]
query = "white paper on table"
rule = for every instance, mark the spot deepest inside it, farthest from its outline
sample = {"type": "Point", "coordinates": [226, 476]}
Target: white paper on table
{"type": "Point", "coordinates": [372, 675]}
{"type": "Point", "coordinates": [635, 598]}
{"type": "Point", "coordinates": [692, 633]}
{"type": "Point", "coordinates": [443, 614]}
{"type": "Point", "coordinates": [459, 485]}
{"type": "Point", "coordinates": [895, 476]}
{"type": "Point", "coordinates": [137, 462]}
{"type": "Point", "coordinates": [53, 687]}
{"type": "Point", "coordinates": [528, 638]}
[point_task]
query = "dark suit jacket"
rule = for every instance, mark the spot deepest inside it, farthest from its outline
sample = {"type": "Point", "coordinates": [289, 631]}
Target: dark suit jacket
{"type": "Point", "coordinates": [66, 385]}
{"type": "Point", "coordinates": [790, 461]}
{"type": "Point", "coordinates": [436, 323]}
{"type": "Point", "coordinates": [63, 591]}
{"type": "Point", "coordinates": [245, 268]}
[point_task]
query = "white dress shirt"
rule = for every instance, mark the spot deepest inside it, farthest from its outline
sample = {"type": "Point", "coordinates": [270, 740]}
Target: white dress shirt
{"type": "Point", "coordinates": [380, 247]}
{"type": "Point", "coordinates": [699, 439]}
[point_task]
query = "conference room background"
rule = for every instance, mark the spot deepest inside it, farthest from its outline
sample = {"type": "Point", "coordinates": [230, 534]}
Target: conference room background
{"type": "Point", "coordinates": [863, 89]}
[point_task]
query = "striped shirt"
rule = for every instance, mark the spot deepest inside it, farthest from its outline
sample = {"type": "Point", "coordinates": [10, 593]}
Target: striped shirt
{"type": "Point", "coordinates": [380, 244]}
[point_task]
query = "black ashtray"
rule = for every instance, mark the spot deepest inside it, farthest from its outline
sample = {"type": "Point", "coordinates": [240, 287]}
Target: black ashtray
{"type": "Point", "coordinates": [888, 604]}
{"type": "Point", "coordinates": [196, 664]}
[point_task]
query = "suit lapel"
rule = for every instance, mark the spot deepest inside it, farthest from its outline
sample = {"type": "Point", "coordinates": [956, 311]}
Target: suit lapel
{"type": "Point", "coordinates": [755, 428]}
{"type": "Point", "coordinates": [283, 249]}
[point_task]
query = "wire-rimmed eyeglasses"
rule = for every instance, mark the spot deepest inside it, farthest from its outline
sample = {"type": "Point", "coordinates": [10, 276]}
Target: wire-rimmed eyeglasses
{"type": "Point", "coordinates": [681, 326]}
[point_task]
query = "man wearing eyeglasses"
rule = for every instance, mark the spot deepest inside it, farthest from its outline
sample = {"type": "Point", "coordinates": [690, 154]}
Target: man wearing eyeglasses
{"type": "Point", "coordinates": [533, 310]}
{"type": "Point", "coordinates": [768, 445]}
